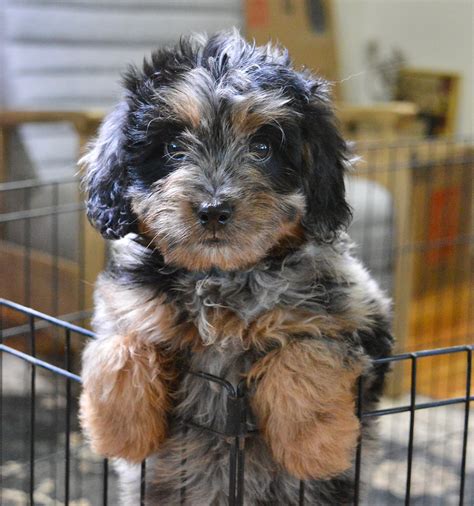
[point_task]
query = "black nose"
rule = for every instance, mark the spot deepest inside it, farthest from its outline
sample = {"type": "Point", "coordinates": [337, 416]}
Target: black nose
{"type": "Point", "coordinates": [214, 214]}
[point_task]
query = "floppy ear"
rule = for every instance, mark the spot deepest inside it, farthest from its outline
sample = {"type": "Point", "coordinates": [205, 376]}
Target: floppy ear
{"type": "Point", "coordinates": [325, 155]}
{"type": "Point", "coordinates": [108, 207]}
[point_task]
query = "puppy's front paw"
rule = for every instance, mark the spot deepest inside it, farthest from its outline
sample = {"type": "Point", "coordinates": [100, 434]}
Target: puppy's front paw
{"type": "Point", "coordinates": [304, 402]}
{"type": "Point", "coordinates": [125, 400]}
{"type": "Point", "coordinates": [321, 448]}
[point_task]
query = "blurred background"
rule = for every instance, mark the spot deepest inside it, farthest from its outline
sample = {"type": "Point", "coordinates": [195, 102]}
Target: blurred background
{"type": "Point", "coordinates": [404, 93]}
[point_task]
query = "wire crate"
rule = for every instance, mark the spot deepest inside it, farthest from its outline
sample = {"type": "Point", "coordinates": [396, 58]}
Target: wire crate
{"type": "Point", "coordinates": [413, 228]}
{"type": "Point", "coordinates": [49, 254]}
{"type": "Point", "coordinates": [45, 461]}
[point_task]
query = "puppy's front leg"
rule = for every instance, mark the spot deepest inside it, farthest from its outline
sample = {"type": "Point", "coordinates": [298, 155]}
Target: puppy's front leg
{"type": "Point", "coordinates": [125, 397]}
{"type": "Point", "coordinates": [304, 401]}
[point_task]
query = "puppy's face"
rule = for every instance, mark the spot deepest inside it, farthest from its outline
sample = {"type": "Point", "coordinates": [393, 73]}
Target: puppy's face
{"type": "Point", "coordinates": [214, 158]}
{"type": "Point", "coordinates": [216, 182]}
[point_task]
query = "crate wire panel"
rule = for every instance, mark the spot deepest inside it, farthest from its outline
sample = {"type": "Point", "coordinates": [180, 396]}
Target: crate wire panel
{"type": "Point", "coordinates": [421, 250]}
{"type": "Point", "coordinates": [34, 433]}
{"type": "Point", "coordinates": [49, 254]}
{"type": "Point", "coordinates": [235, 432]}
{"type": "Point", "coordinates": [412, 227]}
{"type": "Point", "coordinates": [102, 482]}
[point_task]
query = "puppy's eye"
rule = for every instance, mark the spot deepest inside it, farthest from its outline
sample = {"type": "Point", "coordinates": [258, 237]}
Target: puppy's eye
{"type": "Point", "coordinates": [260, 149]}
{"type": "Point", "coordinates": [175, 150]}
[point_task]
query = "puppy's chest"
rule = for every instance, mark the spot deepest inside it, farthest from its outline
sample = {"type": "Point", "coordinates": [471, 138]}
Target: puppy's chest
{"type": "Point", "coordinates": [220, 309]}
{"type": "Point", "coordinates": [229, 311]}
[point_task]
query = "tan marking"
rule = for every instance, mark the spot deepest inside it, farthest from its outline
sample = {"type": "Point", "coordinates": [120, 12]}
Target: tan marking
{"type": "Point", "coordinates": [184, 105]}
{"type": "Point", "coordinates": [304, 401]}
{"type": "Point", "coordinates": [279, 325]}
{"type": "Point", "coordinates": [125, 398]}
{"type": "Point", "coordinates": [254, 110]}
{"type": "Point", "coordinates": [273, 328]}
{"type": "Point", "coordinates": [292, 236]}
{"type": "Point", "coordinates": [188, 99]}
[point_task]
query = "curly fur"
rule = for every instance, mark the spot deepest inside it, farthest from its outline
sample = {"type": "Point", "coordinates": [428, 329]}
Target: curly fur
{"type": "Point", "coordinates": [275, 296]}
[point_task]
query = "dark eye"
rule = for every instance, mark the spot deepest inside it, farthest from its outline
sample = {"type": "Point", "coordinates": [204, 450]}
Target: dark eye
{"type": "Point", "coordinates": [175, 150]}
{"type": "Point", "coordinates": [260, 148]}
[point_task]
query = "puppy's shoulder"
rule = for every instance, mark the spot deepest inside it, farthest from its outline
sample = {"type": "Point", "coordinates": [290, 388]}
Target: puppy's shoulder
{"type": "Point", "coordinates": [133, 295]}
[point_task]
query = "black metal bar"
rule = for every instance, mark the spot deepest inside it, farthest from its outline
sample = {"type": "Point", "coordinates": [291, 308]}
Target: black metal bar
{"type": "Point", "coordinates": [53, 309]}
{"type": "Point", "coordinates": [42, 316]}
{"type": "Point", "coordinates": [69, 317]}
{"type": "Point", "coordinates": [415, 164]}
{"type": "Point", "coordinates": [424, 405]}
{"type": "Point", "coordinates": [466, 428]}
{"type": "Point", "coordinates": [1, 404]}
{"type": "Point", "coordinates": [236, 419]}
{"type": "Point", "coordinates": [105, 483]}
{"type": "Point", "coordinates": [301, 494]}
{"type": "Point", "coordinates": [142, 483]}
{"type": "Point", "coordinates": [40, 363]}
{"type": "Point", "coordinates": [210, 377]}
{"type": "Point", "coordinates": [40, 212]}
{"type": "Point", "coordinates": [33, 183]}
{"type": "Point", "coordinates": [434, 282]}
{"type": "Point", "coordinates": [359, 445]}
{"type": "Point", "coordinates": [412, 430]}
{"type": "Point", "coordinates": [459, 275]}
{"type": "Point", "coordinates": [27, 250]}
{"type": "Point", "coordinates": [371, 163]}
{"type": "Point", "coordinates": [81, 260]}
{"type": "Point", "coordinates": [425, 353]}
{"type": "Point", "coordinates": [67, 453]}
{"type": "Point", "coordinates": [55, 253]}
{"type": "Point", "coordinates": [392, 220]}
{"type": "Point", "coordinates": [232, 470]}
{"type": "Point", "coordinates": [435, 243]}
{"type": "Point", "coordinates": [240, 471]}
{"type": "Point", "coordinates": [32, 412]}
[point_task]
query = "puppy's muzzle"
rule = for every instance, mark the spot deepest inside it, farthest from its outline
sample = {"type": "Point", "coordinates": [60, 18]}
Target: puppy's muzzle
{"type": "Point", "coordinates": [214, 215]}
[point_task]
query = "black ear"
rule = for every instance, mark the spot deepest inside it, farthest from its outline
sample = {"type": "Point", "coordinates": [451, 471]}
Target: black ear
{"type": "Point", "coordinates": [108, 207]}
{"type": "Point", "coordinates": [326, 159]}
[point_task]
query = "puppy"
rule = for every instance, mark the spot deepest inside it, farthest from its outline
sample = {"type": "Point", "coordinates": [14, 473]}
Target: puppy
{"type": "Point", "coordinates": [220, 179]}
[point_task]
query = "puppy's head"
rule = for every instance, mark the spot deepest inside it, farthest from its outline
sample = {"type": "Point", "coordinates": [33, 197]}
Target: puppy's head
{"type": "Point", "coordinates": [219, 154]}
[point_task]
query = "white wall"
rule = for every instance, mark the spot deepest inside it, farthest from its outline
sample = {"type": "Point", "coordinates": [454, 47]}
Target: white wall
{"type": "Point", "coordinates": [62, 54]}
{"type": "Point", "coordinates": [2, 54]}
{"type": "Point", "coordinates": [68, 54]}
{"type": "Point", "coordinates": [435, 34]}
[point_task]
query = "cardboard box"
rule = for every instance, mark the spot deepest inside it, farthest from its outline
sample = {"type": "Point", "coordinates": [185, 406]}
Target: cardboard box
{"type": "Point", "coordinates": [305, 27]}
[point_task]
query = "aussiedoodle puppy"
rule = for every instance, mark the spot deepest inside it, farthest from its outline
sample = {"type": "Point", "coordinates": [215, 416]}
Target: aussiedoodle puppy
{"type": "Point", "coordinates": [220, 179]}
